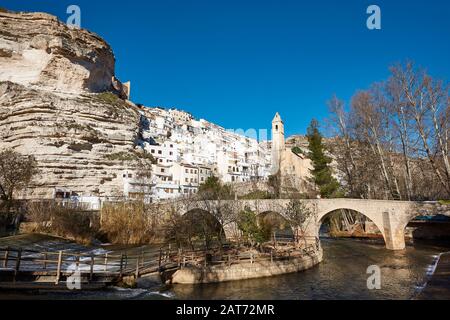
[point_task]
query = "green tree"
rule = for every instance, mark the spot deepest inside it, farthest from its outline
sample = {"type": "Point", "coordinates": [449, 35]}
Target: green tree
{"type": "Point", "coordinates": [251, 230]}
{"type": "Point", "coordinates": [213, 189]}
{"type": "Point", "coordinates": [321, 172]}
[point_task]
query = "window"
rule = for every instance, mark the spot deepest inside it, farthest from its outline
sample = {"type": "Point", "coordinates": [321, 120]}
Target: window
{"type": "Point", "coordinates": [130, 175]}
{"type": "Point", "coordinates": [187, 180]}
{"type": "Point", "coordinates": [159, 152]}
{"type": "Point", "coordinates": [187, 171]}
{"type": "Point", "coordinates": [276, 127]}
{"type": "Point", "coordinates": [124, 175]}
{"type": "Point", "coordinates": [152, 151]}
{"type": "Point", "coordinates": [192, 180]}
{"type": "Point", "coordinates": [195, 171]}
{"type": "Point", "coordinates": [171, 153]}
{"type": "Point", "coordinates": [185, 191]}
{"type": "Point", "coordinates": [201, 170]}
{"type": "Point", "coordinates": [171, 145]}
{"type": "Point", "coordinates": [163, 170]}
{"type": "Point", "coordinates": [202, 179]}
{"type": "Point", "coordinates": [195, 180]}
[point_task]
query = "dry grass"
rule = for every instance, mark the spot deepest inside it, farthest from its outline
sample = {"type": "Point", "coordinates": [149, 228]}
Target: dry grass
{"type": "Point", "coordinates": [63, 221]}
{"type": "Point", "coordinates": [127, 223]}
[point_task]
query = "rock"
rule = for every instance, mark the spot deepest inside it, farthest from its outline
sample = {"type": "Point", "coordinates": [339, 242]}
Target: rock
{"type": "Point", "coordinates": [36, 49]}
{"type": "Point", "coordinates": [53, 105]}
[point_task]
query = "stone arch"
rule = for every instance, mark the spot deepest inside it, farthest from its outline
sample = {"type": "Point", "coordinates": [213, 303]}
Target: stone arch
{"type": "Point", "coordinates": [322, 216]}
{"type": "Point", "coordinates": [427, 225]}
{"type": "Point", "coordinates": [325, 215]}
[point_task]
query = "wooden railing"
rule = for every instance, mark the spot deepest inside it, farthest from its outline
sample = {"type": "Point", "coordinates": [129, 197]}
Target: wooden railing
{"type": "Point", "coordinates": [216, 256]}
{"type": "Point", "coordinates": [58, 263]}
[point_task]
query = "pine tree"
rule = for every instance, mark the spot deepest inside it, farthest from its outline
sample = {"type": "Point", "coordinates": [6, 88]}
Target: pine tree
{"type": "Point", "coordinates": [321, 172]}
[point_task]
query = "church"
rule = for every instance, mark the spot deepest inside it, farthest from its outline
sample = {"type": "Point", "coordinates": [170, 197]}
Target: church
{"type": "Point", "coordinates": [293, 167]}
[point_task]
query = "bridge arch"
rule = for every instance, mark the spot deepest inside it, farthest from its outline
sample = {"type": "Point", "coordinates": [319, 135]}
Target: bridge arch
{"type": "Point", "coordinates": [327, 215]}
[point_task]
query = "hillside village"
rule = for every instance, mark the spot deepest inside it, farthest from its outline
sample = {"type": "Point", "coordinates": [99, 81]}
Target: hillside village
{"type": "Point", "coordinates": [187, 151]}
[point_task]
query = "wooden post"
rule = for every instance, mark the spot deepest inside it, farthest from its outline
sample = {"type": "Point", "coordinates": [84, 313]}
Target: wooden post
{"type": "Point", "coordinates": [159, 260]}
{"type": "Point", "coordinates": [179, 257]}
{"type": "Point", "coordinates": [121, 265]}
{"type": "Point", "coordinates": [58, 269]}
{"type": "Point", "coordinates": [106, 261]}
{"type": "Point", "coordinates": [271, 256]}
{"type": "Point", "coordinates": [19, 257]}
{"type": "Point", "coordinates": [5, 262]}
{"type": "Point", "coordinates": [126, 260]}
{"type": "Point", "coordinates": [229, 260]}
{"type": "Point", "coordinates": [142, 258]}
{"type": "Point", "coordinates": [137, 268]}
{"type": "Point", "coordinates": [45, 259]}
{"type": "Point", "coordinates": [91, 275]}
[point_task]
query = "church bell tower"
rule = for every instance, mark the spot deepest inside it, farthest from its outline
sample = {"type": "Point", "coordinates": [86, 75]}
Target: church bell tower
{"type": "Point", "coordinates": [277, 142]}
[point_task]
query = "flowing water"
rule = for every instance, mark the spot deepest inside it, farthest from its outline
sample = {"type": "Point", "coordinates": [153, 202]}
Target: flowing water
{"type": "Point", "coordinates": [342, 275]}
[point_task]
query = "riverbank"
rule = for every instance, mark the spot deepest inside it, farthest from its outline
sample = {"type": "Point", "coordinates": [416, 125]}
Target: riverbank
{"type": "Point", "coordinates": [438, 286]}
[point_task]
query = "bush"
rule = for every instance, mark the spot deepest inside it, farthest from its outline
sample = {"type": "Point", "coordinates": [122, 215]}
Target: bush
{"type": "Point", "coordinates": [251, 230]}
{"type": "Point", "coordinates": [130, 156]}
{"type": "Point", "coordinates": [127, 223]}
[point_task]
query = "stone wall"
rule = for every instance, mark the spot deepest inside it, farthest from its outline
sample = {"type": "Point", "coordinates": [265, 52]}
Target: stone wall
{"type": "Point", "coordinates": [242, 271]}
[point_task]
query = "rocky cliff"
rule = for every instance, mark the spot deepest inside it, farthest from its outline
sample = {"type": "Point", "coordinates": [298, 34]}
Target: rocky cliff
{"type": "Point", "coordinates": [55, 105]}
{"type": "Point", "coordinates": [38, 50]}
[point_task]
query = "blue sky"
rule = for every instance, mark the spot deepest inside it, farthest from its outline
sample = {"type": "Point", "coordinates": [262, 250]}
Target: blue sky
{"type": "Point", "coordinates": [237, 62]}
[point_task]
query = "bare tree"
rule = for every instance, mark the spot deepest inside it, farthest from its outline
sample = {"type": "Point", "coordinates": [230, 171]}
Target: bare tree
{"type": "Point", "coordinates": [16, 173]}
{"type": "Point", "coordinates": [427, 100]}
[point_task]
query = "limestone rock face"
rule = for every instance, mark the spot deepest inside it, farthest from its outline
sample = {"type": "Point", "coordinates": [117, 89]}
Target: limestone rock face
{"type": "Point", "coordinates": [71, 136]}
{"type": "Point", "coordinates": [54, 106]}
{"type": "Point", "coordinates": [38, 50]}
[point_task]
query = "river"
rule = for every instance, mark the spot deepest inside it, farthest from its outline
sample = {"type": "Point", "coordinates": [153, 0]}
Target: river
{"type": "Point", "coordinates": [342, 275]}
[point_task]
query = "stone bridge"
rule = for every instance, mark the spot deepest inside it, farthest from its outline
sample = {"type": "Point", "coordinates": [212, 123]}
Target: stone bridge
{"type": "Point", "coordinates": [391, 217]}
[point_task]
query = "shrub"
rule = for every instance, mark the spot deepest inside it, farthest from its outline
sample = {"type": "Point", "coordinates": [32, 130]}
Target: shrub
{"type": "Point", "coordinates": [130, 156]}
{"type": "Point", "coordinates": [251, 230]}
